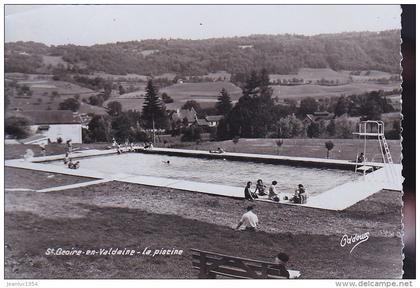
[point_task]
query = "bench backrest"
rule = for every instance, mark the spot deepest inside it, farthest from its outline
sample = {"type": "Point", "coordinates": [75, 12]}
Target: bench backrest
{"type": "Point", "coordinates": [212, 264]}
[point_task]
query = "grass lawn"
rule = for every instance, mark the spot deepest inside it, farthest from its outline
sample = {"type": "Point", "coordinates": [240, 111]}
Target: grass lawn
{"type": "Point", "coordinates": [299, 92]}
{"type": "Point", "coordinates": [344, 149]}
{"type": "Point", "coordinates": [135, 217]}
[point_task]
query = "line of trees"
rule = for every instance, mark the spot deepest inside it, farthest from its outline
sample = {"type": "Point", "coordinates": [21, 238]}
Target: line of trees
{"type": "Point", "coordinates": [279, 54]}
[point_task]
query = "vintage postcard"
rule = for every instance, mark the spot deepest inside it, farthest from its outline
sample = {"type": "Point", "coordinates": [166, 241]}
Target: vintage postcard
{"type": "Point", "coordinates": [203, 142]}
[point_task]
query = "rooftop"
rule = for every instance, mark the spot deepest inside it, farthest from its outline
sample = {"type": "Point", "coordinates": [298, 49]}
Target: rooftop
{"type": "Point", "coordinates": [50, 117]}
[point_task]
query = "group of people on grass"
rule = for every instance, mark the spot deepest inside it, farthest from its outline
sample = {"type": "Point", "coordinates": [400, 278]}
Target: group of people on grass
{"type": "Point", "coordinates": [300, 195]}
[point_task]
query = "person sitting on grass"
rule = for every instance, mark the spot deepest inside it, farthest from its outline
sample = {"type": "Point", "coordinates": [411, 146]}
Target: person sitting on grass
{"type": "Point", "coordinates": [249, 220]}
{"type": "Point", "coordinates": [248, 194]}
{"type": "Point", "coordinates": [300, 196]}
{"type": "Point", "coordinates": [260, 187]}
{"type": "Point", "coordinates": [272, 192]}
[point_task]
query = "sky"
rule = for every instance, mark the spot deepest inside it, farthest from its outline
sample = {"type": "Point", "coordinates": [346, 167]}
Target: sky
{"type": "Point", "coordinates": [98, 24]}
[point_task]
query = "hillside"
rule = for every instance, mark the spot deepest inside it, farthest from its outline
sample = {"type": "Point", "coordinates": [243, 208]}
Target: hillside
{"type": "Point", "coordinates": [279, 54]}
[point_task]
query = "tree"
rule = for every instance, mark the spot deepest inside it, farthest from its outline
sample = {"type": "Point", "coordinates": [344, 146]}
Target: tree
{"type": "Point", "coordinates": [69, 104]}
{"type": "Point", "coordinates": [166, 98]}
{"type": "Point", "coordinates": [329, 145]}
{"type": "Point", "coordinates": [54, 94]}
{"type": "Point", "coordinates": [342, 106]}
{"type": "Point", "coordinates": [191, 104]}
{"type": "Point", "coordinates": [114, 108]}
{"type": "Point", "coordinates": [308, 105]}
{"type": "Point", "coordinates": [313, 130]}
{"type": "Point", "coordinates": [17, 127]}
{"type": "Point", "coordinates": [153, 113]}
{"type": "Point", "coordinates": [343, 128]}
{"type": "Point", "coordinates": [252, 116]}
{"type": "Point", "coordinates": [99, 130]}
{"type": "Point", "coordinates": [192, 133]}
{"type": "Point", "coordinates": [224, 104]}
{"type": "Point", "coordinates": [121, 90]}
{"type": "Point", "coordinates": [289, 127]}
{"type": "Point", "coordinates": [96, 100]}
{"type": "Point", "coordinates": [121, 126]}
{"type": "Point", "coordinates": [331, 128]}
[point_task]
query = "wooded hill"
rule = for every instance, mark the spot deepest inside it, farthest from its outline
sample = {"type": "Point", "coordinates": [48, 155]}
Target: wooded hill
{"type": "Point", "coordinates": [279, 54]}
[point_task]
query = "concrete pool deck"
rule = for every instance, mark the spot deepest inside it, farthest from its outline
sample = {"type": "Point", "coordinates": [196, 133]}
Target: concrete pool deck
{"type": "Point", "coordinates": [338, 198]}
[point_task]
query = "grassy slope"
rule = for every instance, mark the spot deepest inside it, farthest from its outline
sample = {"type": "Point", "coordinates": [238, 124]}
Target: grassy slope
{"type": "Point", "coordinates": [30, 179]}
{"type": "Point", "coordinates": [133, 216]}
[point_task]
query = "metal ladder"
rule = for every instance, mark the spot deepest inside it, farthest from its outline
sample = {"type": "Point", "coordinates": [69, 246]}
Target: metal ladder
{"type": "Point", "coordinates": [386, 148]}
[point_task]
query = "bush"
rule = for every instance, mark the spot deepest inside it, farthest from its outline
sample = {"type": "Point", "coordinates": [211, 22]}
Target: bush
{"type": "Point", "coordinates": [329, 145]}
{"type": "Point", "coordinates": [86, 137]}
{"type": "Point", "coordinates": [69, 104]}
{"type": "Point", "coordinates": [17, 127]}
{"type": "Point", "coordinates": [192, 134]}
{"type": "Point", "coordinates": [166, 98]}
{"type": "Point", "coordinates": [344, 128]}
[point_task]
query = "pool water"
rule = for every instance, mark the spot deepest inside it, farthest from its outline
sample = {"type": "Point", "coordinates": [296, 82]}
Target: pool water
{"type": "Point", "coordinates": [230, 173]}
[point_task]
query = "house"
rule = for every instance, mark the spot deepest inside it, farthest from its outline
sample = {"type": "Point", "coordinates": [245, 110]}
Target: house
{"type": "Point", "coordinates": [201, 123]}
{"type": "Point", "coordinates": [209, 121]}
{"type": "Point", "coordinates": [213, 120]}
{"type": "Point", "coordinates": [52, 125]}
{"type": "Point", "coordinates": [318, 116]}
{"type": "Point", "coordinates": [180, 114]}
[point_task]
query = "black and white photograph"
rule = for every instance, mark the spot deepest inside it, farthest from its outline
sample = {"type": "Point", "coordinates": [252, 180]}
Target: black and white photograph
{"type": "Point", "coordinates": [203, 142]}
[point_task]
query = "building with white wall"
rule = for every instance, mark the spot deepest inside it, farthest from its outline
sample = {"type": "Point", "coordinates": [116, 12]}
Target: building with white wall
{"type": "Point", "coordinates": [55, 124]}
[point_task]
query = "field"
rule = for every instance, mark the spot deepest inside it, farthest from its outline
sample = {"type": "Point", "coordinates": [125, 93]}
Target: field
{"type": "Point", "coordinates": [42, 98]}
{"type": "Point", "coordinates": [205, 93]}
{"type": "Point", "coordinates": [299, 92]}
{"type": "Point", "coordinates": [135, 217]}
{"type": "Point", "coordinates": [313, 75]}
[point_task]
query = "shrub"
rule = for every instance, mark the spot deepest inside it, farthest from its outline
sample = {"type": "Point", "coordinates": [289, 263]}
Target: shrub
{"type": "Point", "coordinates": [329, 145]}
{"type": "Point", "coordinates": [17, 127]}
{"type": "Point", "coordinates": [192, 134]}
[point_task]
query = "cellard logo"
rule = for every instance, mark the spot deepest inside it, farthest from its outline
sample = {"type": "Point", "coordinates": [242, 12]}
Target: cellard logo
{"type": "Point", "coordinates": [354, 239]}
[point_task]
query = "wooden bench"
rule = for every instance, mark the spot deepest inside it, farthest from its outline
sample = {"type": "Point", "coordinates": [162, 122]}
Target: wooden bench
{"type": "Point", "coordinates": [212, 264]}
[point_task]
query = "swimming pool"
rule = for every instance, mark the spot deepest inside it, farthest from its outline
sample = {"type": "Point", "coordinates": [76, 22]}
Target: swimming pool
{"type": "Point", "coordinates": [217, 171]}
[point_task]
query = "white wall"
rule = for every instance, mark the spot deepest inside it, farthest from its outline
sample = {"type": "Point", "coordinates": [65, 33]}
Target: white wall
{"type": "Point", "coordinates": [65, 131]}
